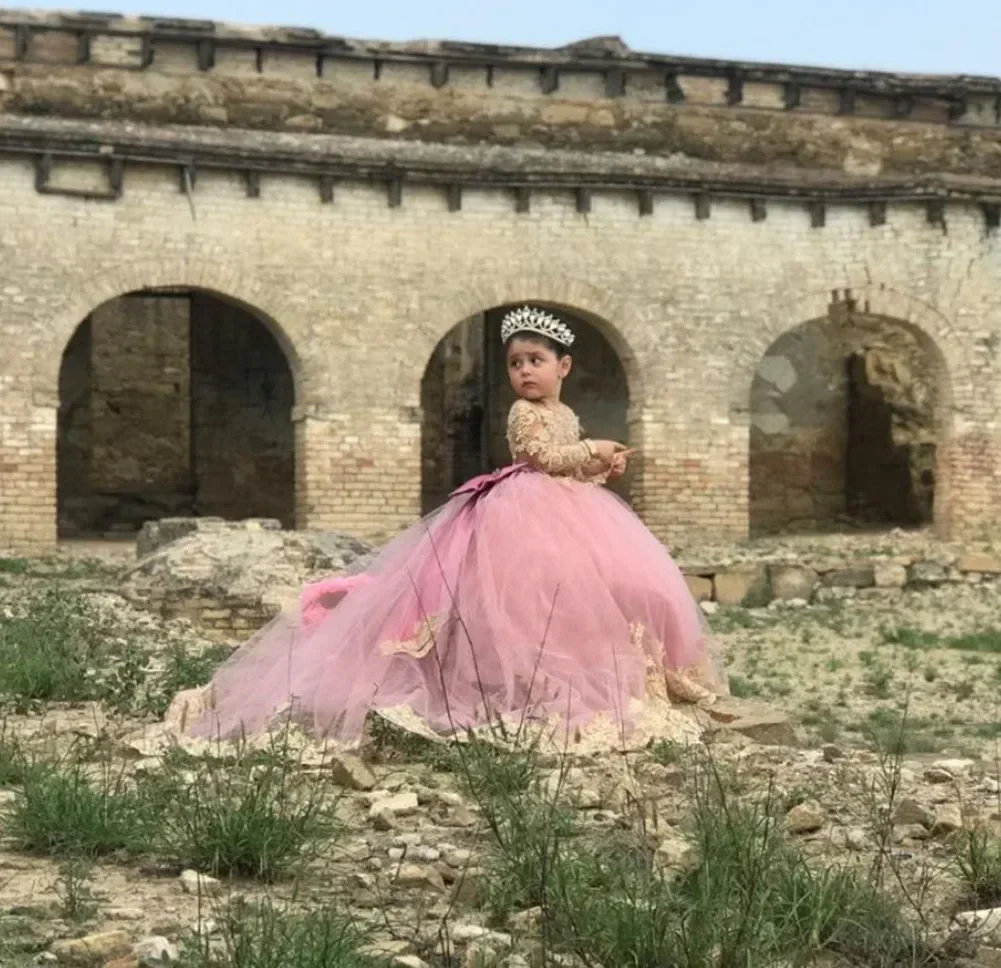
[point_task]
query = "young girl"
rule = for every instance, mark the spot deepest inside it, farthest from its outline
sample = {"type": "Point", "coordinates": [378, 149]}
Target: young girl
{"type": "Point", "coordinates": [533, 595]}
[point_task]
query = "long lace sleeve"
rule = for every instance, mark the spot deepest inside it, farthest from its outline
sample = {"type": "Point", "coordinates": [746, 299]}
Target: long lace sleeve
{"type": "Point", "coordinates": [548, 442]}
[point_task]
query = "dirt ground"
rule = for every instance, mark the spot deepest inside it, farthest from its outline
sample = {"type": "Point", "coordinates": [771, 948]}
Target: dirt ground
{"type": "Point", "coordinates": [915, 673]}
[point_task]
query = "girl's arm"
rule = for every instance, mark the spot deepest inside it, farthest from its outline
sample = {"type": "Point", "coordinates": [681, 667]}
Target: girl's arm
{"type": "Point", "coordinates": [530, 442]}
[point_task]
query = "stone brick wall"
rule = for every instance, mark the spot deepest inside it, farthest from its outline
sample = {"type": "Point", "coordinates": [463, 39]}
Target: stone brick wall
{"type": "Point", "coordinates": [363, 200]}
{"type": "Point", "coordinates": [358, 311]}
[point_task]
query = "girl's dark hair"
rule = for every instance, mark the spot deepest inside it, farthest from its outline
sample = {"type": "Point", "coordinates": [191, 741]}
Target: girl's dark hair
{"type": "Point", "coordinates": [531, 337]}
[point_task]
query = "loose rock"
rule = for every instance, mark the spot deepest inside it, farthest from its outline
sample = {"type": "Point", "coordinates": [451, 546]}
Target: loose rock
{"type": "Point", "coordinates": [956, 767]}
{"type": "Point", "coordinates": [948, 820]}
{"type": "Point", "coordinates": [909, 811]}
{"type": "Point", "coordinates": [987, 921]}
{"type": "Point", "coordinates": [856, 839]}
{"type": "Point", "coordinates": [200, 884]}
{"type": "Point", "coordinates": [155, 952]}
{"type": "Point", "coordinates": [909, 832]}
{"type": "Point", "coordinates": [465, 933]}
{"type": "Point", "coordinates": [351, 772]}
{"type": "Point", "coordinates": [937, 775]}
{"type": "Point", "coordinates": [396, 805]}
{"type": "Point", "coordinates": [92, 949]}
{"type": "Point", "coordinates": [414, 875]}
{"type": "Point", "coordinates": [805, 818]}
{"type": "Point", "coordinates": [457, 857]}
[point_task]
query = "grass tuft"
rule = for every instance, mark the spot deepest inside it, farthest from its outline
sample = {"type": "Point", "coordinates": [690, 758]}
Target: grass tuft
{"type": "Point", "coordinates": [63, 810]}
{"type": "Point", "coordinates": [979, 861]}
{"type": "Point", "coordinates": [268, 936]}
{"type": "Point", "coordinates": [747, 895]}
{"type": "Point", "coordinates": [255, 815]}
{"type": "Point", "coordinates": [58, 645]}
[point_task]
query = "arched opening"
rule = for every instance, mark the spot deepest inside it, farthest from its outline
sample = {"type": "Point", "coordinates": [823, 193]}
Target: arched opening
{"type": "Point", "coordinates": [846, 420]}
{"type": "Point", "coordinates": [465, 397]}
{"type": "Point", "coordinates": [173, 402]}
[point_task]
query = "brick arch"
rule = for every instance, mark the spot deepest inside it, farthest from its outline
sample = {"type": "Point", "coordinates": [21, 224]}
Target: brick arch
{"type": "Point", "coordinates": [230, 284]}
{"type": "Point", "coordinates": [595, 306]}
{"type": "Point", "coordinates": [937, 331]}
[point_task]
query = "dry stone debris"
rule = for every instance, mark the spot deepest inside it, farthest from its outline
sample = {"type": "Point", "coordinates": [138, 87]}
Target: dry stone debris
{"type": "Point", "coordinates": [980, 563]}
{"type": "Point", "coordinates": [859, 576]}
{"type": "Point", "coordinates": [805, 818]}
{"type": "Point", "coordinates": [92, 949]}
{"type": "Point", "coordinates": [398, 804]}
{"type": "Point", "coordinates": [252, 564]}
{"type": "Point", "coordinates": [986, 922]}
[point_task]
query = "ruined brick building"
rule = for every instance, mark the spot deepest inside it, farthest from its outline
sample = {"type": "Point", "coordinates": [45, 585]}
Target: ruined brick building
{"type": "Point", "coordinates": [253, 272]}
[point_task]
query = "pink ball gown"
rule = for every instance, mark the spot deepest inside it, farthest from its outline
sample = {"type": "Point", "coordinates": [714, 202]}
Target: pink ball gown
{"type": "Point", "coordinates": [533, 596]}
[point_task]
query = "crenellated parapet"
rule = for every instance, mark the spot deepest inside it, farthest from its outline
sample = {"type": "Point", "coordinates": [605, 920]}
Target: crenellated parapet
{"type": "Point", "coordinates": [759, 252]}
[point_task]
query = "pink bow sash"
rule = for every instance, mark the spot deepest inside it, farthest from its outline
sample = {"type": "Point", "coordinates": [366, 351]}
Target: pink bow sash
{"type": "Point", "coordinates": [483, 483]}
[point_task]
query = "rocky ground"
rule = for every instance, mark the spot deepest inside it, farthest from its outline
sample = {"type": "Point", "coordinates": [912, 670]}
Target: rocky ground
{"type": "Point", "coordinates": [893, 777]}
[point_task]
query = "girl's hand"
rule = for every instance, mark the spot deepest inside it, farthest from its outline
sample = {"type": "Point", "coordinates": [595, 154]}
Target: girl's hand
{"type": "Point", "coordinates": [607, 449]}
{"type": "Point", "coordinates": [619, 464]}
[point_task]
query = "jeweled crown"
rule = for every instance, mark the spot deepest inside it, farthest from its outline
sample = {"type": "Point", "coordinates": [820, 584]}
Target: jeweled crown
{"type": "Point", "coordinates": [527, 319]}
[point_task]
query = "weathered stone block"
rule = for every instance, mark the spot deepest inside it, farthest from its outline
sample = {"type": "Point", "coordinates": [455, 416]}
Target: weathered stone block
{"type": "Point", "coordinates": [790, 582]}
{"type": "Point", "coordinates": [754, 720]}
{"type": "Point", "coordinates": [982, 563]}
{"type": "Point", "coordinates": [155, 534]}
{"type": "Point", "coordinates": [856, 576]}
{"type": "Point", "coordinates": [887, 574]}
{"type": "Point", "coordinates": [745, 586]}
{"type": "Point", "coordinates": [927, 573]}
{"type": "Point", "coordinates": [701, 588]}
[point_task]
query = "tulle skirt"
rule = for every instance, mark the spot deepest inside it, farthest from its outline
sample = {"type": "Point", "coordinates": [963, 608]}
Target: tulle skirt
{"type": "Point", "coordinates": [525, 599]}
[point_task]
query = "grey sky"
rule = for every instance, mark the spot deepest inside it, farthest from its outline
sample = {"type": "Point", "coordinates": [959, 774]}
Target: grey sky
{"type": "Point", "coordinates": [925, 36]}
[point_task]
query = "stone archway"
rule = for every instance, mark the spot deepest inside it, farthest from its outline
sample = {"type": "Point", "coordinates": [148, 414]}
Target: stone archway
{"type": "Point", "coordinates": [173, 402]}
{"type": "Point", "coordinates": [465, 396]}
{"type": "Point", "coordinates": [847, 415]}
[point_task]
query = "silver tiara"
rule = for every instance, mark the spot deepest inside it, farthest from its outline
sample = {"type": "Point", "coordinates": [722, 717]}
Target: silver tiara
{"type": "Point", "coordinates": [529, 320]}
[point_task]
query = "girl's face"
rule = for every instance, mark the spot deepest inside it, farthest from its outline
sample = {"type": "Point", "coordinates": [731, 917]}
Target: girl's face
{"type": "Point", "coordinates": [535, 371]}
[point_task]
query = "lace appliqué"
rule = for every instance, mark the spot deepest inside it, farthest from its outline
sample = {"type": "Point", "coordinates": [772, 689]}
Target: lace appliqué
{"type": "Point", "coordinates": [691, 684]}
{"type": "Point", "coordinates": [422, 641]}
{"type": "Point", "coordinates": [549, 439]}
{"type": "Point", "coordinates": [670, 708]}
